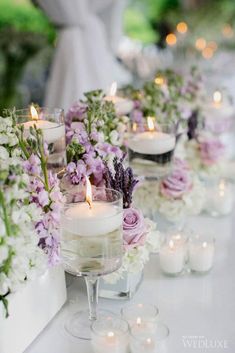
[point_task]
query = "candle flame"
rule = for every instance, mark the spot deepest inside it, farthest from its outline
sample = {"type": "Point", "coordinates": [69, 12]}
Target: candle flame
{"type": "Point", "coordinates": [148, 340]}
{"type": "Point", "coordinates": [110, 334]}
{"type": "Point", "coordinates": [138, 321]}
{"type": "Point", "coordinates": [217, 97]}
{"type": "Point", "coordinates": [33, 112]}
{"type": "Point", "coordinates": [200, 44]}
{"type": "Point", "coordinates": [204, 245]}
{"type": "Point", "coordinates": [88, 192]}
{"type": "Point", "coordinates": [171, 244]}
{"type": "Point", "coordinates": [177, 236]}
{"type": "Point", "coordinates": [134, 127]}
{"type": "Point", "coordinates": [222, 185]}
{"type": "Point", "coordinates": [150, 122]}
{"type": "Point", "coordinates": [113, 89]}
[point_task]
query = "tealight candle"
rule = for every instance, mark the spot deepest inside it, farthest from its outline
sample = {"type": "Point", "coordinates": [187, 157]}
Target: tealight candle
{"type": "Point", "coordinates": [110, 334]}
{"type": "Point", "coordinates": [146, 341]}
{"type": "Point", "coordinates": [122, 105]}
{"type": "Point", "coordinates": [140, 315]}
{"type": "Point", "coordinates": [201, 254]}
{"type": "Point", "coordinates": [172, 257]}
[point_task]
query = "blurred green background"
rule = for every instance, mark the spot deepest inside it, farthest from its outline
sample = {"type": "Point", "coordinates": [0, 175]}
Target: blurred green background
{"type": "Point", "coordinates": [27, 39]}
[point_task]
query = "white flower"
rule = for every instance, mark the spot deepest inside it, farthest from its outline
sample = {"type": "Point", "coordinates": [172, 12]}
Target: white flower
{"type": "Point", "coordinates": [4, 155]}
{"type": "Point", "coordinates": [4, 284]}
{"type": "Point", "coordinates": [3, 253]}
{"type": "Point", "coordinates": [114, 138]}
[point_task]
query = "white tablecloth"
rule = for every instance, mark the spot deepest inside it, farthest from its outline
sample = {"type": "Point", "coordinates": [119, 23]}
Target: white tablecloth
{"type": "Point", "coordinates": [198, 306]}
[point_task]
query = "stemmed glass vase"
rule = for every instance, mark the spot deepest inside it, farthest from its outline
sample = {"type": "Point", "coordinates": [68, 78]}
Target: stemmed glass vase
{"type": "Point", "coordinates": [91, 244]}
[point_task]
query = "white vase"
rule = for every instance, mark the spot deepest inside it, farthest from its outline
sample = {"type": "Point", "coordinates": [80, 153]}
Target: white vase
{"type": "Point", "coordinates": [124, 288]}
{"type": "Point", "coordinates": [31, 309]}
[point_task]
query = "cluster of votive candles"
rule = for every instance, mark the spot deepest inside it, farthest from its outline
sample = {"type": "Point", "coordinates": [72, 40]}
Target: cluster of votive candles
{"type": "Point", "coordinates": [137, 330]}
{"type": "Point", "coordinates": [177, 253]}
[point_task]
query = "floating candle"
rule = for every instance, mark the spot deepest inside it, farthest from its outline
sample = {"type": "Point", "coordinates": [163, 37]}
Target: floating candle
{"type": "Point", "coordinates": [52, 131]}
{"type": "Point", "coordinates": [122, 106]}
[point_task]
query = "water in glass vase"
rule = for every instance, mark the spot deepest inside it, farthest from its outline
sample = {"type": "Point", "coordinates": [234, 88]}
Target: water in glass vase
{"type": "Point", "coordinates": [96, 255]}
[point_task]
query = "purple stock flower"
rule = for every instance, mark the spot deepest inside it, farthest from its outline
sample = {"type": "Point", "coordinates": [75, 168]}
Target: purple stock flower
{"type": "Point", "coordinates": [32, 165]}
{"type": "Point", "coordinates": [76, 172]}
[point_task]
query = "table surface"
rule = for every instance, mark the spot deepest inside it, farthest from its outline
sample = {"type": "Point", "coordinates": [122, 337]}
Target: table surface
{"type": "Point", "coordinates": [197, 309]}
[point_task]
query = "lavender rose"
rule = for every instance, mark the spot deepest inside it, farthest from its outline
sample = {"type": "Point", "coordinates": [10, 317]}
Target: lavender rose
{"type": "Point", "coordinates": [134, 228]}
{"type": "Point", "coordinates": [178, 183]}
{"type": "Point", "coordinates": [211, 151]}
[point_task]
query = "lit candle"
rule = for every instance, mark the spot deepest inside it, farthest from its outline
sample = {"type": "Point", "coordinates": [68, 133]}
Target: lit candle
{"type": "Point", "coordinates": [52, 131]}
{"type": "Point", "coordinates": [151, 142]}
{"type": "Point", "coordinates": [92, 218]}
{"type": "Point", "coordinates": [220, 199]}
{"type": "Point", "coordinates": [201, 254]}
{"type": "Point", "coordinates": [218, 109]}
{"type": "Point", "coordinates": [182, 27]}
{"type": "Point", "coordinates": [122, 106]}
{"type": "Point", "coordinates": [113, 339]}
{"type": "Point", "coordinates": [141, 316]}
{"type": "Point", "coordinates": [172, 258]}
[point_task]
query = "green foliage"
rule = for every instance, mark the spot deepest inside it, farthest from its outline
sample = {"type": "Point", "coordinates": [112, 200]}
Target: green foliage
{"type": "Point", "coordinates": [24, 17]}
{"type": "Point", "coordinates": [137, 26]}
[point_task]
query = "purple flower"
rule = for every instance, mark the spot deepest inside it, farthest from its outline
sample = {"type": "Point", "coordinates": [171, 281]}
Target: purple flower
{"type": "Point", "coordinates": [211, 150]}
{"type": "Point", "coordinates": [32, 165]}
{"type": "Point", "coordinates": [76, 172]}
{"type": "Point", "coordinates": [134, 228]}
{"type": "Point", "coordinates": [43, 198]}
{"type": "Point", "coordinates": [178, 183]}
{"type": "Point", "coordinates": [77, 112]}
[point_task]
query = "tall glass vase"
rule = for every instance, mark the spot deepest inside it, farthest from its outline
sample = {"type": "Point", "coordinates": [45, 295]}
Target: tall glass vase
{"type": "Point", "coordinates": [91, 245]}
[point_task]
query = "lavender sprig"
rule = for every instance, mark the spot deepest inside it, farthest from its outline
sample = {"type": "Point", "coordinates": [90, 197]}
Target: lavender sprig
{"type": "Point", "coordinates": [121, 180]}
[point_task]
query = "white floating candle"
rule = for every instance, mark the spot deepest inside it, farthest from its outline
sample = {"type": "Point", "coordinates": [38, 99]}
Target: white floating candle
{"type": "Point", "coordinates": [123, 106]}
{"type": "Point", "coordinates": [100, 219]}
{"type": "Point", "coordinates": [52, 131]}
{"type": "Point", "coordinates": [151, 142]}
{"type": "Point", "coordinates": [172, 258]}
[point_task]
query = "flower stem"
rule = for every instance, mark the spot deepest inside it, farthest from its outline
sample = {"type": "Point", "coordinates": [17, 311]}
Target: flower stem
{"type": "Point", "coordinates": [5, 216]}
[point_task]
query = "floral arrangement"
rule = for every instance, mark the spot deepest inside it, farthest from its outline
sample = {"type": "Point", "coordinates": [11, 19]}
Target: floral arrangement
{"type": "Point", "coordinates": [169, 97]}
{"type": "Point", "coordinates": [94, 136]}
{"type": "Point", "coordinates": [30, 207]}
{"type": "Point", "coordinates": [140, 237]}
{"type": "Point", "coordinates": [178, 195]}
{"type": "Point", "coordinates": [205, 153]}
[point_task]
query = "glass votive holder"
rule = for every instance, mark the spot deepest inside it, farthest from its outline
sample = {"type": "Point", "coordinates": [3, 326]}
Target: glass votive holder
{"type": "Point", "coordinates": [145, 341]}
{"type": "Point", "coordinates": [150, 148]}
{"type": "Point", "coordinates": [140, 315]}
{"type": "Point", "coordinates": [201, 253]}
{"type": "Point", "coordinates": [172, 254]}
{"type": "Point", "coordinates": [110, 334]}
{"type": "Point", "coordinates": [180, 238]}
{"type": "Point", "coordinates": [51, 122]}
{"type": "Point", "coordinates": [220, 197]}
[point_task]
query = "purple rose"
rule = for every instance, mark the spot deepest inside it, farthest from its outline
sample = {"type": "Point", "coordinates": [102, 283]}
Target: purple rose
{"type": "Point", "coordinates": [134, 228]}
{"type": "Point", "coordinates": [178, 183]}
{"type": "Point", "coordinates": [211, 151]}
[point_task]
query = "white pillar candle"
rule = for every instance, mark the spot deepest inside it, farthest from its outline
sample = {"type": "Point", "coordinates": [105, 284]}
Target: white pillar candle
{"type": "Point", "coordinates": [100, 219]}
{"type": "Point", "coordinates": [151, 142]}
{"type": "Point", "coordinates": [201, 256]}
{"type": "Point", "coordinates": [52, 132]}
{"type": "Point", "coordinates": [220, 199]}
{"type": "Point", "coordinates": [172, 258]}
